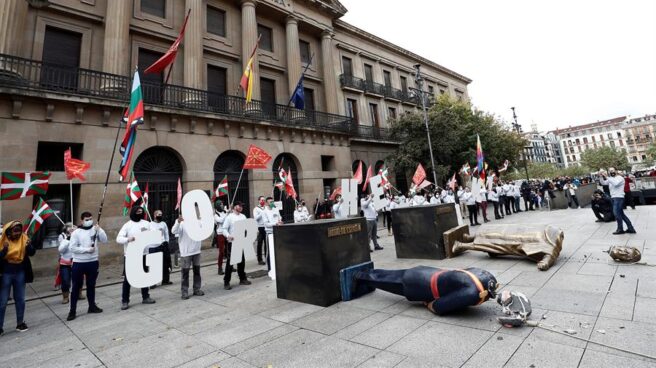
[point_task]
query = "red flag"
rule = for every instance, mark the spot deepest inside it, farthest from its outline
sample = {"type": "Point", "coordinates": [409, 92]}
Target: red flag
{"type": "Point", "coordinates": [336, 192]}
{"type": "Point", "coordinates": [358, 173]}
{"type": "Point", "coordinates": [419, 176]}
{"type": "Point", "coordinates": [257, 158]}
{"type": "Point", "coordinates": [453, 182]}
{"type": "Point", "coordinates": [289, 186]}
{"type": "Point", "coordinates": [179, 195]}
{"type": "Point", "coordinates": [424, 184]}
{"type": "Point", "coordinates": [168, 58]}
{"type": "Point", "coordinates": [366, 182]}
{"type": "Point", "coordinates": [74, 168]}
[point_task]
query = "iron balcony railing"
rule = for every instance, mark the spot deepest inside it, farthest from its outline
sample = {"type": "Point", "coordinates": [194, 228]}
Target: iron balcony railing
{"type": "Point", "coordinates": [371, 132]}
{"type": "Point", "coordinates": [20, 73]}
{"type": "Point", "coordinates": [349, 81]}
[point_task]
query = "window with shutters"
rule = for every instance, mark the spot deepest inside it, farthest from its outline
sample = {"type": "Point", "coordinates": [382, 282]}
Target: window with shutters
{"type": "Point", "coordinates": [216, 87]}
{"type": "Point", "coordinates": [216, 21]}
{"type": "Point", "coordinates": [154, 7]}
{"type": "Point", "coordinates": [352, 110]}
{"type": "Point", "coordinates": [404, 84]}
{"type": "Point", "coordinates": [368, 73]}
{"type": "Point", "coordinates": [151, 83]}
{"type": "Point", "coordinates": [373, 110]}
{"type": "Point", "coordinates": [347, 66]}
{"type": "Point", "coordinates": [388, 78]}
{"type": "Point", "coordinates": [305, 51]}
{"type": "Point", "coordinates": [268, 96]}
{"type": "Point", "coordinates": [392, 112]}
{"type": "Point", "coordinates": [61, 59]}
{"type": "Point", "coordinates": [309, 99]}
{"type": "Point", "coordinates": [266, 40]}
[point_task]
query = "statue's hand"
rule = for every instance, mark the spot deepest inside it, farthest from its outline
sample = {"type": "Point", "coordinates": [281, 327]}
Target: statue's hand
{"type": "Point", "coordinates": [545, 263]}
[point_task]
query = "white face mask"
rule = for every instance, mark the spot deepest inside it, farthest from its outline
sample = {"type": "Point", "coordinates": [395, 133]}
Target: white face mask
{"type": "Point", "coordinates": [88, 223]}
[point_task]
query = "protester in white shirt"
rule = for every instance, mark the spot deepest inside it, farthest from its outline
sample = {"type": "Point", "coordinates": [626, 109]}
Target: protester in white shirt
{"type": "Point", "coordinates": [258, 215]}
{"type": "Point", "coordinates": [470, 201]}
{"type": "Point", "coordinates": [507, 198]}
{"type": "Point", "coordinates": [571, 189]}
{"type": "Point", "coordinates": [125, 236]}
{"type": "Point", "coordinates": [419, 198]}
{"type": "Point", "coordinates": [228, 230]}
{"type": "Point", "coordinates": [189, 257]}
{"type": "Point", "coordinates": [219, 216]}
{"type": "Point", "coordinates": [161, 226]}
{"type": "Point", "coordinates": [371, 215]}
{"type": "Point", "coordinates": [340, 210]}
{"type": "Point", "coordinates": [300, 215]}
{"type": "Point", "coordinates": [616, 186]}
{"type": "Point", "coordinates": [493, 196]}
{"type": "Point", "coordinates": [84, 246]}
{"type": "Point", "coordinates": [65, 261]}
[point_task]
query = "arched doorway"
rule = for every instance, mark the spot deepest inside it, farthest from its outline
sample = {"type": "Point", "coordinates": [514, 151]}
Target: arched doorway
{"type": "Point", "coordinates": [378, 166]}
{"type": "Point", "coordinates": [401, 181]}
{"type": "Point", "coordinates": [288, 163]}
{"type": "Point", "coordinates": [230, 163]}
{"type": "Point", "coordinates": [364, 175]}
{"type": "Point", "coordinates": [159, 168]}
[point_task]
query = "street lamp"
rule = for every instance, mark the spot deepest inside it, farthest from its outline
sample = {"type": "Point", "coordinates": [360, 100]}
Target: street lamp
{"type": "Point", "coordinates": [419, 80]}
{"type": "Point", "coordinates": [518, 128]}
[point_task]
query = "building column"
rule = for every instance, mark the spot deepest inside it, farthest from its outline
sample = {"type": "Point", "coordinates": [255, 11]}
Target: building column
{"type": "Point", "coordinates": [293, 54]}
{"type": "Point", "coordinates": [248, 39]}
{"type": "Point", "coordinates": [329, 75]}
{"type": "Point", "coordinates": [193, 46]}
{"type": "Point", "coordinates": [117, 38]}
{"type": "Point", "coordinates": [12, 21]}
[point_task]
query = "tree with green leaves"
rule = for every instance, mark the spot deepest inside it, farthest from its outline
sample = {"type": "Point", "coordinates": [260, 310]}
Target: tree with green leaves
{"type": "Point", "coordinates": [651, 154]}
{"type": "Point", "coordinates": [453, 127]}
{"type": "Point", "coordinates": [605, 157]}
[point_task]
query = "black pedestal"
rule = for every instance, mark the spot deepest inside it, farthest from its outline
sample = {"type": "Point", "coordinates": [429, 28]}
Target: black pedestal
{"type": "Point", "coordinates": [418, 230]}
{"type": "Point", "coordinates": [310, 255]}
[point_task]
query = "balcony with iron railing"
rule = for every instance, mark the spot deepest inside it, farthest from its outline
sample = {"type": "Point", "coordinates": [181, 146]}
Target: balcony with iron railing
{"type": "Point", "coordinates": [351, 82]}
{"type": "Point", "coordinates": [19, 74]}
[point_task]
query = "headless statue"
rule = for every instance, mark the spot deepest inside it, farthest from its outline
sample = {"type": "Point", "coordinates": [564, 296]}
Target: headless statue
{"type": "Point", "coordinates": [442, 291]}
{"type": "Point", "coordinates": [539, 243]}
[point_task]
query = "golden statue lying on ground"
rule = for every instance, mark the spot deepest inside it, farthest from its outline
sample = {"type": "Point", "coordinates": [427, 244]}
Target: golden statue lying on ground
{"type": "Point", "coordinates": [540, 243]}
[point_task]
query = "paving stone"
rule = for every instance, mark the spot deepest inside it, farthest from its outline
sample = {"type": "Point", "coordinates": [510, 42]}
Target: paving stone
{"type": "Point", "coordinates": [332, 319]}
{"type": "Point", "coordinates": [359, 327]}
{"type": "Point", "coordinates": [376, 301]}
{"type": "Point", "coordinates": [212, 359]}
{"type": "Point", "coordinates": [237, 331]}
{"type": "Point", "coordinates": [537, 352]}
{"type": "Point", "coordinates": [382, 359]}
{"type": "Point", "coordinates": [620, 300]}
{"type": "Point", "coordinates": [495, 353]}
{"type": "Point", "coordinates": [233, 363]}
{"type": "Point", "coordinates": [388, 332]}
{"type": "Point", "coordinates": [329, 352]}
{"type": "Point", "coordinates": [21, 351]}
{"type": "Point", "coordinates": [277, 350]}
{"type": "Point", "coordinates": [596, 359]}
{"type": "Point", "coordinates": [443, 343]}
{"type": "Point", "coordinates": [290, 312]}
{"type": "Point", "coordinates": [633, 336]}
{"type": "Point", "coordinates": [572, 301]}
{"type": "Point", "coordinates": [645, 310]}
{"type": "Point", "coordinates": [598, 269]}
{"type": "Point", "coordinates": [583, 326]}
{"type": "Point", "coordinates": [260, 339]}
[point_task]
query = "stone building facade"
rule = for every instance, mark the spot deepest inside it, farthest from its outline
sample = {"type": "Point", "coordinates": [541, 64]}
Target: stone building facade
{"type": "Point", "coordinates": [66, 67]}
{"type": "Point", "coordinates": [640, 134]}
{"type": "Point", "coordinates": [575, 140]}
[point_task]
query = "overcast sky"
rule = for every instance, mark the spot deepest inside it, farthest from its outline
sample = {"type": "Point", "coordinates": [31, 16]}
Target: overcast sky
{"type": "Point", "coordinates": [560, 63]}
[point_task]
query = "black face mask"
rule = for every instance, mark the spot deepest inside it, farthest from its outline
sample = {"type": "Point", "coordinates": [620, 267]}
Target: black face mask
{"type": "Point", "coordinates": [136, 217]}
{"type": "Point", "coordinates": [158, 218]}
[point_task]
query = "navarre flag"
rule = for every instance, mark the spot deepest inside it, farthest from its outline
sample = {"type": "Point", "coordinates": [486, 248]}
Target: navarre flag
{"type": "Point", "coordinates": [221, 189]}
{"type": "Point", "coordinates": [169, 57]}
{"type": "Point", "coordinates": [366, 181]}
{"type": "Point", "coordinates": [358, 173]}
{"type": "Point", "coordinates": [289, 186]}
{"type": "Point", "coordinates": [419, 176]}
{"type": "Point", "coordinates": [336, 192]}
{"type": "Point", "coordinates": [39, 214]}
{"type": "Point", "coordinates": [480, 159]}
{"type": "Point", "coordinates": [18, 185]}
{"type": "Point", "coordinates": [257, 158]}
{"type": "Point", "coordinates": [133, 117]}
{"type": "Point", "coordinates": [282, 178]}
{"type": "Point", "coordinates": [179, 195]}
{"type": "Point", "coordinates": [74, 168]}
{"type": "Point", "coordinates": [246, 83]}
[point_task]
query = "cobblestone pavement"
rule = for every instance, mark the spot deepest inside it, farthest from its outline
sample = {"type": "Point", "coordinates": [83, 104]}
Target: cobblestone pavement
{"type": "Point", "coordinates": [249, 327]}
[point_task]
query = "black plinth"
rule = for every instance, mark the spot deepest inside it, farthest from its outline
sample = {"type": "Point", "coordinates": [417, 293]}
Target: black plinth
{"type": "Point", "coordinates": [310, 255]}
{"type": "Point", "coordinates": [418, 230]}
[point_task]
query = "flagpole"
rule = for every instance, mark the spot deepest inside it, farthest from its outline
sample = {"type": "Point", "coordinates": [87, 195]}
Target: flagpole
{"type": "Point", "coordinates": [109, 169]}
{"type": "Point", "coordinates": [299, 80]}
{"type": "Point", "coordinates": [168, 74]}
{"type": "Point", "coordinates": [70, 182]}
{"type": "Point", "coordinates": [237, 187]}
{"type": "Point", "coordinates": [60, 220]}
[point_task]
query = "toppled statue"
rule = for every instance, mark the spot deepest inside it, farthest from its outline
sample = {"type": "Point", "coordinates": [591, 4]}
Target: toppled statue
{"type": "Point", "coordinates": [442, 291]}
{"type": "Point", "coordinates": [516, 308]}
{"type": "Point", "coordinates": [539, 243]}
{"type": "Point", "coordinates": [624, 254]}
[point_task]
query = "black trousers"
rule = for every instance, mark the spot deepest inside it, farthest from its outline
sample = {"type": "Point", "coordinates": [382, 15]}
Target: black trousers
{"type": "Point", "coordinates": [80, 270]}
{"type": "Point", "coordinates": [166, 260]}
{"type": "Point", "coordinates": [240, 266]}
{"type": "Point", "coordinates": [473, 214]}
{"type": "Point", "coordinates": [388, 216]}
{"type": "Point", "coordinates": [572, 198]}
{"type": "Point", "coordinates": [497, 215]}
{"type": "Point", "coordinates": [261, 236]}
{"type": "Point", "coordinates": [603, 216]}
{"type": "Point", "coordinates": [125, 294]}
{"type": "Point", "coordinates": [628, 200]}
{"type": "Point", "coordinates": [507, 203]}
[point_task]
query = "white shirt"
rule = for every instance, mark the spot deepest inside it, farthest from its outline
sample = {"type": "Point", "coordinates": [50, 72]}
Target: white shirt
{"type": "Point", "coordinates": [434, 200]}
{"type": "Point", "coordinates": [449, 198]}
{"type": "Point", "coordinates": [339, 210]}
{"type": "Point", "coordinates": [393, 205]}
{"type": "Point", "coordinates": [368, 208]}
{"type": "Point", "coordinates": [507, 190]}
{"type": "Point", "coordinates": [219, 217]}
{"type": "Point", "coordinates": [82, 243]}
{"type": "Point", "coordinates": [229, 222]}
{"type": "Point", "coordinates": [572, 189]}
{"type": "Point", "coordinates": [493, 196]}
{"type": "Point", "coordinates": [480, 197]}
{"type": "Point", "coordinates": [188, 246]}
{"type": "Point", "coordinates": [271, 218]}
{"type": "Point", "coordinates": [258, 215]}
{"type": "Point", "coordinates": [64, 249]}
{"type": "Point", "coordinates": [468, 198]}
{"type": "Point", "coordinates": [418, 200]}
{"type": "Point", "coordinates": [163, 228]}
{"type": "Point", "coordinates": [307, 213]}
{"type": "Point", "coordinates": [517, 190]}
{"type": "Point", "coordinates": [615, 185]}
{"type": "Point", "coordinates": [131, 229]}
{"type": "Point", "coordinates": [301, 216]}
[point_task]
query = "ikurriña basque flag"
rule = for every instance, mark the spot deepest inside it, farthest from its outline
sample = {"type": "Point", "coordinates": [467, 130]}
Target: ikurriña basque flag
{"type": "Point", "coordinates": [133, 117]}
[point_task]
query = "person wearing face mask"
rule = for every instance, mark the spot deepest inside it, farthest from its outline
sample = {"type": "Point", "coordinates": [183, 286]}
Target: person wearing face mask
{"type": "Point", "coordinates": [305, 210]}
{"type": "Point", "coordinates": [300, 215]}
{"type": "Point", "coordinates": [272, 218]}
{"type": "Point", "coordinates": [228, 230]}
{"type": "Point", "coordinates": [16, 269]}
{"type": "Point", "coordinates": [616, 186]}
{"type": "Point", "coordinates": [65, 261]}
{"type": "Point", "coordinates": [258, 215]}
{"type": "Point", "coordinates": [161, 226]}
{"type": "Point", "coordinates": [340, 210]}
{"type": "Point", "coordinates": [189, 258]}
{"type": "Point", "coordinates": [468, 198]}
{"type": "Point", "coordinates": [83, 245]}
{"type": "Point", "coordinates": [125, 236]}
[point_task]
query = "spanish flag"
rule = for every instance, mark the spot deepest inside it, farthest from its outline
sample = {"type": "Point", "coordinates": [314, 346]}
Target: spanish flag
{"type": "Point", "coordinates": [246, 82]}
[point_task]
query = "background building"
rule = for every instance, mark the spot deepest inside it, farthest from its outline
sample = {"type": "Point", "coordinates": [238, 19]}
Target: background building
{"type": "Point", "coordinates": [552, 146]}
{"type": "Point", "coordinates": [66, 67]}
{"type": "Point", "coordinates": [640, 134]}
{"type": "Point", "coordinates": [537, 151]}
{"type": "Point", "coordinates": [575, 140]}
